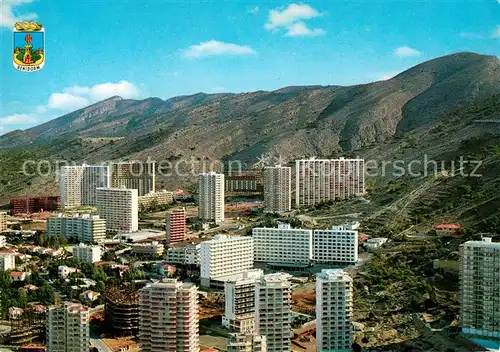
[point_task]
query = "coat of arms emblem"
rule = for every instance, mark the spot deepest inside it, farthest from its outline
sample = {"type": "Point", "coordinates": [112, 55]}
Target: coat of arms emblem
{"type": "Point", "coordinates": [29, 46]}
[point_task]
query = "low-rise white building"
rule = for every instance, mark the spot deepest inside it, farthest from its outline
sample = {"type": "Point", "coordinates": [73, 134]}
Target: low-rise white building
{"type": "Point", "coordinates": [374, 243]}
{"type": "Point", "coordinates": [239, 293]}
{"type": "Point", "coordinates": [246, 343]}
{"type": "Point", "coordinates": [7, 260]}
{"type": "Point", "coordinates": [153, 249]}
{"type": "Point", "coordinates": [336, 245]}
{"type": "Point", "coordinates": [225, 255]}
{"type": "Point", "coordinates": [186, 255]}
{"type": "Point", "coordinates": [3, 241]}
{"type": "Point", "coordinates": [63, 271]}
{"type": "Point", "coordinates": [88, 254]}
{"type": "Point", "coordinates": [282, 245]}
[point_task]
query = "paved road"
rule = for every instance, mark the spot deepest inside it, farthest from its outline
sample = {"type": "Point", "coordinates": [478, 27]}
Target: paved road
{"type": "Point", "coordinates": [99, 344]}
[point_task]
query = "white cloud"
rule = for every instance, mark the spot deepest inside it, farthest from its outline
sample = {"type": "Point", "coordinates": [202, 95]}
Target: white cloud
{"type": "Point", "coordinates": [292, 19]}
{"type": "Point", "coordinates": [8, 16]}
{"type": "Point", "coordinates": [496, 32]}
{"type": "Point", "coordinates": [77, 97]}
{"type": "Point", "coordinates": [299, 29]}
{"type": "Point", "coordinates": [406, 51]}
{"type": "Point", "coordinates": [214, 47]}
{"type": "Point", "coordinates": [18, 119]}
{"type": "Point", "coordinates": [256, 9]}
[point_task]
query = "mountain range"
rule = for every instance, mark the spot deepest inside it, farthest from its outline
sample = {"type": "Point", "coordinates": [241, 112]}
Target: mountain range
{"type": "Point", "coordinates": [410, 114]}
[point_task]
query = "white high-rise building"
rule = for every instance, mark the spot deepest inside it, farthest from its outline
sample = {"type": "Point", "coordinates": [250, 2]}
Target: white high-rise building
{"type": "Point", "coordinates": [87, 254]}
{"type": "Point", "coordinates": [3, 221]}
{"type": "Point", "coordinates": [70, 186]}
{"type": "Point", "coordinates": [282, 245]}
{"type": "Point", "coordinates": [480, 289]}
{"type": "Point", "coordinates": [211, 197]}
{"type": "Point", "coordinates": [168, 314]}
{"type": "Point", "coordinates": [81, 227]}
{"type": "Point", "coordinates": [68, 328]}
{"type": "Point", "coordinates": [277, 188]}
{"type": "Point", "coordinates": [7, 261]}
{"type": "Point", "coordinates": [223, 256]}
{"type": "Point", "coordinates": [94, 176]}
{"type": "Point", "coordinates": [334, 308]}
{"type": "Point", "coordinates": [134, 175]}
{"type": "Point", "coordinates": [319, 180]}
{"type": "Point", "coordinates": [119, 207]}
{"type": "Point", "coordinates": [273, 311]}
{"type": "Point", "coordinates": [337, 245]}
{"type": "Point", "coordinates": [239, 294]}
{"type": "Point", "coordinates": [246, 343]}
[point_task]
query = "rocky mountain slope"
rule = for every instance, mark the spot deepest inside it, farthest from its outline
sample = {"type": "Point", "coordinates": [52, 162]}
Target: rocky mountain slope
{"type": "Point", "coordinates": [292, 122]}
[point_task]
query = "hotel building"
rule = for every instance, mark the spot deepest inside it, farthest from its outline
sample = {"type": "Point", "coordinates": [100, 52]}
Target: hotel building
{"type": "Point", "coordinates": [94, 176]}
{"type": "Point", "coordinates": [134, 175]}
{"type": "Point", "coordinates": [239, 293]}
{"type": "Point", "coordinates": [68, 328]}
{"type": "Point", "coordinates": [175, 225]}
{"type": "Point", "coordinates": [224, 256]}
{"type": "Point", "coordinates": [70, 186]}
{"type": "Point", "coordinates": [319, 180]}
{"type": "Point", "coordinates": [84, 228]}
{"type": "Point", "coordinates": [277, 188]}
{"type": "Point", "coordinates": [118, 206]}
{"type": "Point", "coordinates": [282, 245]}
{"type": "Point", "coordinates": [211, 197]}
{"type": "Point", "coordinates": [334, 311]}
{"type": "Point", "coordinates": [480, 289]}
{"type": "Point", "coordinates": [168, 317]}
{"type": "Point", "coordinates": [336, 245]}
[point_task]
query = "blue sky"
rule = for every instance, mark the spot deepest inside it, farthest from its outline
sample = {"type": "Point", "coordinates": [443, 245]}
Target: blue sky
{"type": "Point", "coordinates": [136, 49]}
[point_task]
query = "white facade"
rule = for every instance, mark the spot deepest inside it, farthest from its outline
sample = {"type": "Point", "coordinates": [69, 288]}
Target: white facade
{"type": "Point", "coordinates": [3, 221]}
{"type": "Point", "coordinates": [186, 255]}
{"type": "Point", "coordinates": [68, 328]}
{"type": "Point", "coordinates": [225, 255]}
{"type": "Point", "coordinates": [211, 197]}
{"type": "Point", "coordinates": [319, 180]}
{"type": "Point", "coordinates": [7, 261]}
{"type": "Point", "coordinates": [70, 186]}
{"type": "Point", "coordinates": [88, 254]}
{"type": "Point", "coordinates": [282, 245]}
{"type": "Point", "coordinates": [337, 245]}
{"type": "Point", "coordinates": [63, 271]}
{"type": "Point", "coordinates": [334, 311]}
{"type": "Point", "coordinates": [137, 175]}
{"type": "Point", "coordinates": [119, 207]}
{"type": "Point", "coordinates": [246, 343]}
{"type": "Point", "coordinates": [480, 289]}
{"type": "Point", "coordinates": [83, 228]}
{"type": "Point", "coordinates": [3, 241]}
{"type": "Point", "coordinates": [148, 249]}
{"type": "Point", "coordinates": [239, 294]}
{"type": "Point", "coordinates": [94, 176]}
{"type": "Point", "coordinates": [273, 311]}
{"type": "Point", "coordinates": [277, 188]}
{"type": "Point", "coordinates": [169, 317]}
{"type": "Point", "coordinates": [374, 243]}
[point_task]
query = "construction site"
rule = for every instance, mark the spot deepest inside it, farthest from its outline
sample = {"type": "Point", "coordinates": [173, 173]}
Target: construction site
{"type": "Point", "coordinates": [121, 311]}
{"type": "Point", "coordinates": [27, 325]}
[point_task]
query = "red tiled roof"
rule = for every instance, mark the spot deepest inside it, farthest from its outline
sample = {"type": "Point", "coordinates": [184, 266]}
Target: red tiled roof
{"type": "Point", "coordinates": [8, 251]}
{"type": "Point", "coordinates": [16, 273]}
{"type": "Point", "coordinates": [446, 226]}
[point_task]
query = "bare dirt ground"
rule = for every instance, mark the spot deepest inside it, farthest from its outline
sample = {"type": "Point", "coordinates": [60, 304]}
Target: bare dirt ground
{"type": "Point", "coordinates": [207, 341]}
{"type": "Point", "coordinates": [127, 343]}
{"type": "Point", "coordinates": [304, 298]}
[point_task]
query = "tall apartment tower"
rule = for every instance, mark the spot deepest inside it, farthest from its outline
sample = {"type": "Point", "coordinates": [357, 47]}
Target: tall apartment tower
{"type": "Point", "coordinates": [70, 186]}
{"type": "Point", "coordinates": [277, 188]}
{"type": "Point", "coordinates": [239, 294]}
{"type": "Point", "coordinates": [246, 343]}
{"type": "Point", "coordinates": [333, 311]}
{"type": "Point", "coordinates": [211, 197]}
{"type": "Point", "coordinates": [175, 225]}
{"type": "Point", "coordinates": [169, 317]}
{"type": "Point", "coordinates": [319, 180]}
{"type": "Point", "coordinates": [68, 328]}
{"type": "Point", "coordinates": [119, 207]}
{"type": "Point", "coordinates": [94, 176]}
{"type": "Point", "coordinates": [273, 311]}
{"type": "Point", "coordinates": [480, 289]}
{"type": "Point", "coordinates": [134, 175]}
